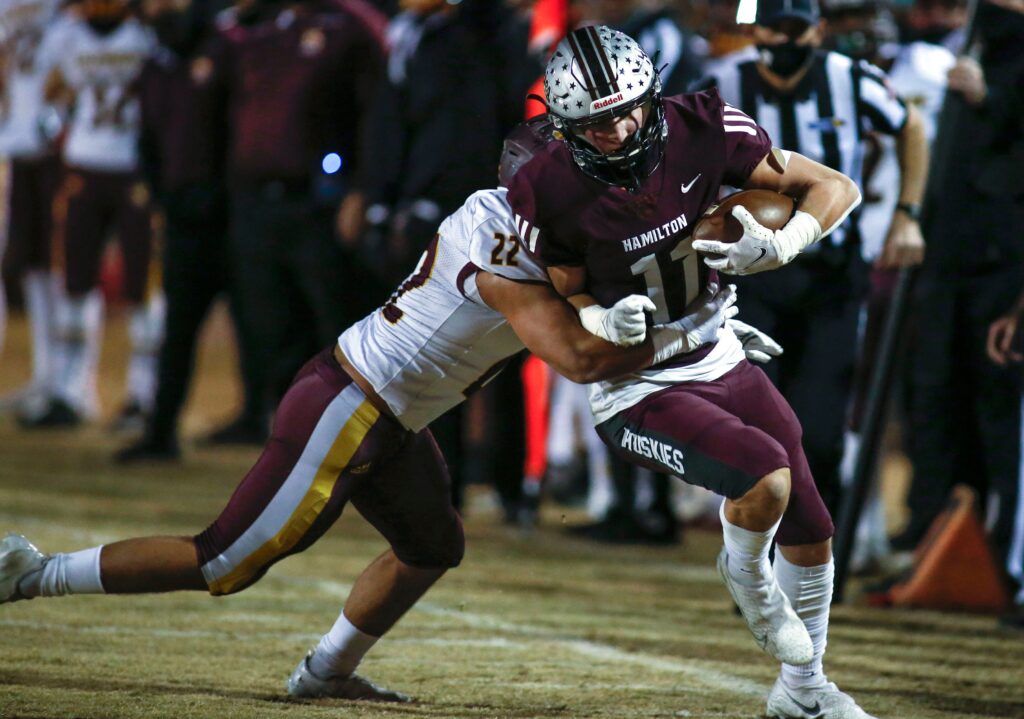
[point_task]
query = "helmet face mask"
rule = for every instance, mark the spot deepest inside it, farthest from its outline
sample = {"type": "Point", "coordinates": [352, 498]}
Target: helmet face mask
{"type": "Point", "coordinates": [596, 76]}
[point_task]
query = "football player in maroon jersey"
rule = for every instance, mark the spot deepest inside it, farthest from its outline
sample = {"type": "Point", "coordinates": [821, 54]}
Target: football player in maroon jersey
{"type": "Point", "coordinates": [609, 212]}
{"type": "Point", "coordinates": [353, 428]}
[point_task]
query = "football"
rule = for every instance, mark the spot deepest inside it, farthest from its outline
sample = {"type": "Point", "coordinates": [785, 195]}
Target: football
{"type": "Point", "coordinates": [772, 209]}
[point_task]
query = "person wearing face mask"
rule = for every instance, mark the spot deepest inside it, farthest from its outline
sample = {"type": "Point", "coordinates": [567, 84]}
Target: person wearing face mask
{"type": "Point", "coordinates": [821, 104]}
{"type": "Point", "coordinates": [939, 22]}
{"type": "Point", "coordinates": [182, 147]}
{"type": "Point", "coordinates": [965, 410]}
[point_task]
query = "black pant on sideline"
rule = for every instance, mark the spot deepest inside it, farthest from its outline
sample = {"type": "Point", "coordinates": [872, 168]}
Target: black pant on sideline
{"type": "Point", "coordinates": [297, 289]}
{"type": "Point", "coordinates": [195, 274]}
{"type": "Point", "coordinates": [964, 410]}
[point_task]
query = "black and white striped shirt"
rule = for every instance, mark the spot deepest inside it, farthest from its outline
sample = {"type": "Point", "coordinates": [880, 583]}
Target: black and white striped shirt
{"type": "Point", "coordinates": [825, 116]}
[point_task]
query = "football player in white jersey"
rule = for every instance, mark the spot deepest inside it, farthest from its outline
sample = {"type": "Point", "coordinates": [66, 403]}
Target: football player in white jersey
{"type": "Point", "coordinates": [352, 427]}
{"type": "Point", "coordinates": [93, 61]}
{"type": "Point", "coordinates": [31, 181]}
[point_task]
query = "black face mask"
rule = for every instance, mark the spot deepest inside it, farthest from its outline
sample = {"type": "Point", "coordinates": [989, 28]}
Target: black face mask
{"type": "Point", "coordinates": [174, 30]}
{"type": "Point", "coordinates": [935, 35]}
{"type": "Point", "coordinates": [785, 59]}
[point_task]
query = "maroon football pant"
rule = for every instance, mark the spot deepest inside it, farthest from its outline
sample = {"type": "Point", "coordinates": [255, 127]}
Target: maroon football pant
{"type": "Point", "coordinates": [32, 184]}
{"type": "Point", "coordinates": [329, 446]}
{"type": "Point", "coordinates": [88, 206]}
{"type": "Point", "coordinates": [739, 420]}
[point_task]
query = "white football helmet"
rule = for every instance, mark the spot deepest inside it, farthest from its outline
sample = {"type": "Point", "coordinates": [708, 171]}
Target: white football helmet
{"type": "Point", "coordinates": [595, 74]}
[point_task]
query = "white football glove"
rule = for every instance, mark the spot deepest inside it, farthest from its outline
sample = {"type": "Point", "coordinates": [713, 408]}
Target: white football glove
{"type": "Point", "coordinates": [760, 249]}
{"type": "Point", "coordinates": [757, 345]}
{"type": "Point", "coordinates": [697, 328]}
{"type": "Point", "coordinates": [625, 324]}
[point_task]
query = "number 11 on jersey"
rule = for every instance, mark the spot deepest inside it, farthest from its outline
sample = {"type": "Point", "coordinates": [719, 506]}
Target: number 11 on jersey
{"type": "Point", "coordinates": [682, 268]}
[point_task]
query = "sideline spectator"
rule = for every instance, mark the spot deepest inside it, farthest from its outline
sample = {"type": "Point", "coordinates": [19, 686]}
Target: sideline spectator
{"type": "Point", "coordinates": [965, 411]}
{"type": "Point", "coordinates": [298, 82]}
{"type": "Point", "coordinates": [182, 147]}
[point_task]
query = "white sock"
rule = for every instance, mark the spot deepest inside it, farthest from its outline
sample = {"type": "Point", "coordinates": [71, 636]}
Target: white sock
{"type": "Point", "coordinates": [810, 592]}
{"type": "Point", "coordinates": [94, 314]}
{"type": "Point", "coordinates": [71, 327]}
{"type": "Point", "coordinates": [38, 289]}
{"type": "Point", "coordinates": [747, 550]}
{"type": "Point", "coordinates": [340, 650]}
{"type": "Point", "coordinates": [57, 347]}
{"type": "Point", "coordinates": [74, 573]}
{"type": "Point", "coordinates": [146, 330]}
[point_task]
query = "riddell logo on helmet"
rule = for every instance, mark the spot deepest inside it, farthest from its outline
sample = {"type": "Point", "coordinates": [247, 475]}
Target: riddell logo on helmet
{"type": "Point", "coordinates": [606, 102]}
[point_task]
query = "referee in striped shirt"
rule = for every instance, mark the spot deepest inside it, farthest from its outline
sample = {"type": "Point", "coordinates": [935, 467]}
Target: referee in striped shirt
{"type": "Point", "coordinates": [820, 104]}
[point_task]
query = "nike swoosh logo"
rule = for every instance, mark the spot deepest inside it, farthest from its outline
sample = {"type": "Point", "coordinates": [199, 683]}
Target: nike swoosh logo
{"type": "Point", "coordinates": [686, 188]}
{"type": "Point", "coordinates": [760, 257]}
{"type": "Point", "coordinates": [813, 712]}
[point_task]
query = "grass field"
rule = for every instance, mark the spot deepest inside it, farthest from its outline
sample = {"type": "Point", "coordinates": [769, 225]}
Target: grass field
{"type": "Point", "coordinates": [529, 626]}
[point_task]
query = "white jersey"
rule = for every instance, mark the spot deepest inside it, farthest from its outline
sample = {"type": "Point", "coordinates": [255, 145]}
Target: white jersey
{"type": "Point", "coordinates": [918, 76]}
{"type": "Point", "coordinates": [436, 341]}
{"type": "Point", "coordinates": [22, 24]}
{"type": "Point", "coordinates": [100, 69]}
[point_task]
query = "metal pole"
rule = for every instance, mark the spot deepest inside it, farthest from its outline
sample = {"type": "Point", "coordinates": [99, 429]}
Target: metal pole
{"type": "Point", "coordinates": [872, 429]}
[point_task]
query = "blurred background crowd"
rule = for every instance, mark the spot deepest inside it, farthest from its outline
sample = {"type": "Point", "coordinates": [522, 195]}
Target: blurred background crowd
{"type": "Point", "coordinates": [292, 158]}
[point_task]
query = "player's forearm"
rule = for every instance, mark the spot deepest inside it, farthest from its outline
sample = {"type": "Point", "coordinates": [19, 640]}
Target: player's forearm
{"type": "Point", "coordinates": [582, 301]}
{"type": "Point", "coordinates": [829, 200]}
{"type": "Point", "coordinates": [912, 154]}
{"type": "Point", "coordinates": [583, 357]}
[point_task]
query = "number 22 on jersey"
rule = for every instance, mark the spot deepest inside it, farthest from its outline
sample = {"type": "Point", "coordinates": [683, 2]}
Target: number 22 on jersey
{"type": "Point", "coordinates": [673, 280]}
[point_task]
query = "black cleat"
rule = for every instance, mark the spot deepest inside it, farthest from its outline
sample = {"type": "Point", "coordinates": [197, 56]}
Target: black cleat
{"type": "Point", "coordinates": [149, 449]}
{"type": "Point", "coordinates": [57, 414]}
{"type": "Point", "coordinates": [130, 420]}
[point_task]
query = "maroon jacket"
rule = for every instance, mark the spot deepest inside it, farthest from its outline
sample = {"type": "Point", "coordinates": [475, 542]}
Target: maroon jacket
{"type": "Point", "coordinates": [183, 125]}
{"type": "Point", "coordinates": [297, 88]}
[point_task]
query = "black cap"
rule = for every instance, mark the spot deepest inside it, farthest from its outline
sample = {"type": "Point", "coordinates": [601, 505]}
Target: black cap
{"type": "Point", "coordinates": [770, 11]}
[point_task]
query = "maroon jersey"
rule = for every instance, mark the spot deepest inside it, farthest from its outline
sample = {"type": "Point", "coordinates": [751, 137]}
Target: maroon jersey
{"type": "Point", "coordinates": [298, 87]}
{"type": "Point", "coordinates": [639, 243]}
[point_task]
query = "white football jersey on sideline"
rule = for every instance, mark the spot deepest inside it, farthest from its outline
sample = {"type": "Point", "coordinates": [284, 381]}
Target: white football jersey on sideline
{"type": "Point", "coordinates": [918, 75]}
{"type": "Point", "coordinates": [436, 341]}
{"type": "Point", "coordinates": [22, 24]}
{"type": "Point", "coordinates": [101, 69]}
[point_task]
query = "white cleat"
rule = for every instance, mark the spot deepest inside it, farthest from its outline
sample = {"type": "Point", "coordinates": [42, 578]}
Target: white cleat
{"type": "Point", "coordinates": [824, 702]}
{"type": "Point", "coordinates": [775, 626]}
{"type": "Point", "coordinates": [18, 557]}
{"type": "Point", "coordinates": [303, 684]}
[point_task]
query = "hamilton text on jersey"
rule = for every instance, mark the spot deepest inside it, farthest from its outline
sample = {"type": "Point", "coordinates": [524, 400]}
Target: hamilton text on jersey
{"type": "Point", "coordinates": [660, 232]}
